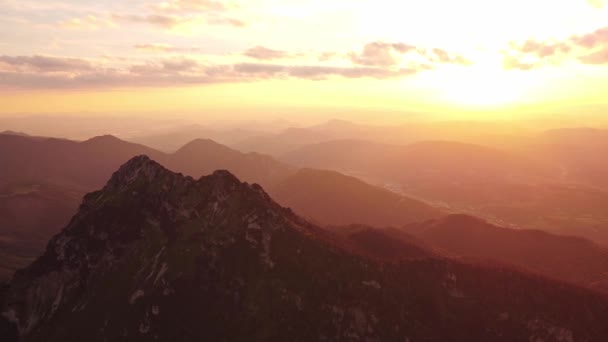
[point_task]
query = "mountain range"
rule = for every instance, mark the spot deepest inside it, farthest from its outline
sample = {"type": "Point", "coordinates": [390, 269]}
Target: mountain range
{"type": "Point", "coordinates": [43, 179]}
{"type": "Point", "coordinates": [534, 189]}
{"type": "Point", "coordinates": [158, 255]}
{"type": "Point", "coordinates": [570, 259]}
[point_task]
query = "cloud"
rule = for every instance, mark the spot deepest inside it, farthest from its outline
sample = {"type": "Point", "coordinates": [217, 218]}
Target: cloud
{"type": "Point", "coordinates": [89, 22]}
{"type": "Point", "coordinates": [381, 54]}
{"type": "Point", "coordinates": [597, 57]}
{"type": "Point", "coordinates": [262, 53]}
{"type": "Point", "coordinates": [443, 57]}
{"type": "Point", "coordinates": [544, 49]}
{"type": "Point", "coordinates": [196, 5]}
{"type": "Point", "coordinates": [174, 21]}
{"type": "Point", "coordinates": [591, 40]}
{"type": "Point", "coordinates": [160, 20]}
{"type": "Point", "coordinates": [327, 56]}
{"type": "Point", "coordinates": [173, 13]}
{"type": "Point", "coordinates": [226, 22]}
{"type": "Point", "coordinates": [58, 72]}
{"type": "Point", "coordinates": [313, 72]}
{"type": "Point", "coordinates": [39, 63]}
{"type": "Point", "coordinates": [168, 67]}
{"type": "Point", "coordinates": [515, 63]}
{"type": "Point", "coordinates": [533, 54]}
{"type": "Point", "coordinates": [67, 73]}
{"type": "Point", "coordinates": [590, 48]}
{"type": "Point", "coordinates": [165, 48]}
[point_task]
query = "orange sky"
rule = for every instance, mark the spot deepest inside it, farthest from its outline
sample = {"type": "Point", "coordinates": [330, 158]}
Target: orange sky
{"type": "Point", "coordinates": [458, 58]}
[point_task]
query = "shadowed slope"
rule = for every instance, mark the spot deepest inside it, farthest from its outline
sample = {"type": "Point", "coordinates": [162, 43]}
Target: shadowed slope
{"type": "Point", "coordinates": [331, 198]}
{"type": "Point", "coordinates": [568, 258]}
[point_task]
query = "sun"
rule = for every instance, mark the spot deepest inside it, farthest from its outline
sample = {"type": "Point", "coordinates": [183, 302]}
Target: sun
{"type": "Point", "coordinates": [483, 84]}
{"type": "Point", "coordinates": [479, 87]}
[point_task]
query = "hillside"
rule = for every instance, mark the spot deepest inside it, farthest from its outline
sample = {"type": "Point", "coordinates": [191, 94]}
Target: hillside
{"type": "Point", "coordinates": [331, 198]}
{"type": "Point", "coordinates": [30, 214]}
{"type": "Point", "coordinates": [571, 259]}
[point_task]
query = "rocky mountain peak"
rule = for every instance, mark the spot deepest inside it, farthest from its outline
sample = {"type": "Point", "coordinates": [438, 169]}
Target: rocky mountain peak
{"type": "Point", "coordinates": [222, 178]}
{"type": "Point", "coordinates": [137, 169]}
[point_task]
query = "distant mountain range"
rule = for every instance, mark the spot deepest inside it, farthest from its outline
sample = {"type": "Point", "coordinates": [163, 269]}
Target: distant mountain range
{"type": "Point", "coordinates": [533, 189]}
{"type": "Point", "coordinates": [450, 160]}
{"type": "Point", "coordinates": [88, 164]}
{"type": "Point", "coordinates": [173, 139]}
{"type": "Point", "coordinates": [158, 255]}
{"type": "Point", "coordinates": [56, 173]}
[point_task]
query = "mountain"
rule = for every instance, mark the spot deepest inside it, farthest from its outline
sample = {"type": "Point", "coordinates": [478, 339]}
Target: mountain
{"type": "Point", "coordinates": [331, 198]}
{"type": "Point", "coordinates": [509, 189]}
{"type": "Point", "coordinates": [279, 143]}
{"type": "Point", "coordinates": [431, 160]}
{"type": "Point", "coordinates": [293, 138]}
{"type": "Point", "coordinates": [42, 181]}
{"type": "Point", "coordinates": [9, 132]}
{"type": "Point", "coordinates": [389, 244]}
{"type": "Point", "coordinates": [89, 163]}
{"type": "Point", "coordinates": [576, 151]}
{"type": "Point", "coordinates": [173, 139]}
{"type": "Point", "coordinates": [203, 156]}
{"type": "Point", "coordinates": [341, 155]}
{"type": "Point", "coordinates": [85, 165]}
{"type": "Point", "coordinates": [82, 127]}
{"type": "Point", "coordinates": [571, 259]}
{"type": "Point", "coordinates": [577, 136]}
{"type": "Point", "coordinates": [494, 134]}
{"type": "Point", "coordinates": [155, 255]}
{"type": "Point", "coordinates": [565, 209]}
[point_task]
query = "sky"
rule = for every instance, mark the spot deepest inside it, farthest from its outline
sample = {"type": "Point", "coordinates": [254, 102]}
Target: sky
{"type": "Point", "coordinates": [246, 58]}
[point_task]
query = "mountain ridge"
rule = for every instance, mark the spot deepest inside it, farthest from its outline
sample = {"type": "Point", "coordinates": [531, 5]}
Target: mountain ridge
{"type": "Point", "coordinates": [332, 198]}
{"type": "Point", "coordinates": [159, 255]}
{"type": "Point", "coordinates": [567, 258]}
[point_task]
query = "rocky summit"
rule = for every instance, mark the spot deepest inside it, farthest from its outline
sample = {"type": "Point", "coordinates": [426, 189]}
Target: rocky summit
{"type": "Point", "coordinates": [155, 255]}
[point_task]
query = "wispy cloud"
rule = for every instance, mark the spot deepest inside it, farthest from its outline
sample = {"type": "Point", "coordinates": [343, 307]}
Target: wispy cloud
{"type": "Point", "coordinates": [175, 21]}
{"type": "Point", "coordinates": [182, 72]}
{"type": "Point", "coordinates": [48, 64]}
{"type": "Point", "coordinates": [316, 72]}
{"type": "Point", "coordinates": [61, 73]}
{"type": "Point", "coordinates": [262, 53]}
{"type": "Point", "coordinates": [194, 5]}
{"type": "Point", "coordinates": [89, 22]}
{"type": "Point", "coordinates": [165, 48]}
{"type": "Point", "coordinates": [381, 54]}
{"type": "Point", "coordinates": [590, 48]}
{"type": "Point", "coordinates": [159, 20]}
{"type": "Point", "coordinates": [169, 15]}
